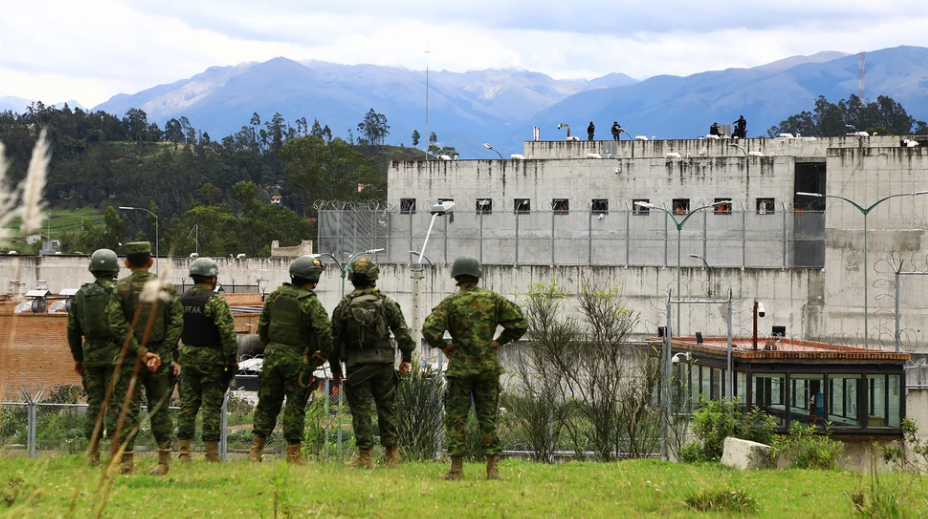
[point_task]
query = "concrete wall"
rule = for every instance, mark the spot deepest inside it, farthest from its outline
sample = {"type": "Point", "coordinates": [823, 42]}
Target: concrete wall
{"type": "Point", "coordinates": [700, 179]}
{"type": "Point", "coordinates": [801, 147]}
{"type": "Point", "coordinates": [897, 232]}
{"type": "Point", "coordinates": [793, 298]}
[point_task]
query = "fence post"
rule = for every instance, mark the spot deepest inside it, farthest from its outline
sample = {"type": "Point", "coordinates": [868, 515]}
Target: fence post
{"type": "Point", "coordinates": [666, 223]}
{"type": "Point", "coordinates": [628, 238]}
{"type": "Point", "coordinates": [481, 236]}
{"type": "Point", "coordinates": [517, 237]}
{"type": "Point", "coordinates": [441, 415]}
{"type": "Point", "coordinates": [445, 239]}
{"type": "Point", "coordinates": [744, 239]}
{"type": "Point", "coordinates": [224, 428]}
{"type": "Point", "coordinates": [898, 292]}
{"type": "Point", "coordinates": [665, 383]}
{"type": "Point", "coordinates": [328, 417]}
{"type": "Point", "coordinates": [553, 214]}
{"type": "Point", "coordinates": [339, 416]}
{"type": "Point", "coordinates": [30, 426]}
{"type": "Point", "coordinates": [589, 237]}
{"type": "Point", "coordinates": [731, 372]}
{"type": "Point", "coordinates": [705, 235]}
{"type": "Point", "coordinates": [784, 237]}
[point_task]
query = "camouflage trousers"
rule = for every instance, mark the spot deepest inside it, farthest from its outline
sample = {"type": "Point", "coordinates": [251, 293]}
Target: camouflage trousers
{"type": "Point", "coordinates": [159, 386]}
{"type": "Point", "coordinates": [279, 379]}
{"type": "Point", "coordinates": [96, 380]}
{"type": "Point", "coordinates": [201, 386]}
{"type": "Point", "coordinates": [379, 390]}
{"type": "Point", "coordinates": [483, 392]}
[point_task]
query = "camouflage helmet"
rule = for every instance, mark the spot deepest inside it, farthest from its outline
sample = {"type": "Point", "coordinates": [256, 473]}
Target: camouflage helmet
{"type": "Point", "coordinates": [466, 266]}
{"type": "Point", "coordinates": [307, 267]}
{"type": "Point", "coordinates": [204, 267]}
{"type": "Point", "coordinates": [104, 260]}
{"type": "Point", "coordinates": [364, 267]}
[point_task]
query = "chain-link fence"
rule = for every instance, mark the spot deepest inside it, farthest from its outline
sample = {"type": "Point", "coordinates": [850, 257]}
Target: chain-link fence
{"type": "Point", "coordinates": [725, 237]}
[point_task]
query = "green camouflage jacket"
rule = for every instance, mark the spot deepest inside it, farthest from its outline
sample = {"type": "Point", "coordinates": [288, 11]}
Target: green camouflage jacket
{"type": "Point", "coordinates": [313, 316]}
{"type": "Point", "coordinates": [172, 313]}
{"type": "Point", "coordinates": [395, 319]}
{"type": "Point", "coordinates": [100, 353]}
{"type": "Point", "coordinates": [471, 316]}
{"type": "Point", "coordinates": [217, 309]}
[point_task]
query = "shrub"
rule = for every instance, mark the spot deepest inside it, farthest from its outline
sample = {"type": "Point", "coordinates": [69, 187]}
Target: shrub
{"type": "Point", "coordinates": [419, 400]}
{"type": "Point", "coordinates": [880, 500]}
{"type": "Point", "coordinates": [809, 448]}
{"type": "Point", "coordinates": [718, 419]}
{"type": "Point", "coordinates": [896, 452]}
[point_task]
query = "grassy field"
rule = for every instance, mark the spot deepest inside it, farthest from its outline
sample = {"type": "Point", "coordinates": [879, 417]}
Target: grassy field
{"type": "Point", "coordinates": [47, 487]}
{"type": "Point", "coordinates": [62, 220]}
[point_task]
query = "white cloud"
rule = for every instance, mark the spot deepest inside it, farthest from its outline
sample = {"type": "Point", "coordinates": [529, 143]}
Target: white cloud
{"type": "Point", "coordinates": [94, 49]}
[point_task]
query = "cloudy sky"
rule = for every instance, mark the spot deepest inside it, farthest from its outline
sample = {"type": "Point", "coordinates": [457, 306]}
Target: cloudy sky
{"type": "Point", "coordinates": [55, 50]}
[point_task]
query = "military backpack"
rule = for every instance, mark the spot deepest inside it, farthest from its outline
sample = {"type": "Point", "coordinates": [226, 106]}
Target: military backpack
{"type": "Point", "coordinates": [92, 312]}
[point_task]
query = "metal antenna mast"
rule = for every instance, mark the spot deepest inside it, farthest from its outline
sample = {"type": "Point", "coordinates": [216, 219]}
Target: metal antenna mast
{"type": "Point", "coordinates": [427, 134]}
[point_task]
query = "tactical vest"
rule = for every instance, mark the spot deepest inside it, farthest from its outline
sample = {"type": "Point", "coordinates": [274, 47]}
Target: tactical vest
{"type": "Point", "coordinates": [129, 291]}
{"type": "Point", "coordinates": [287, 326]}
{"type": "Point", "coordinates": [368, 329]}
{"type": "Point", "coordinates": [92, 312]}
{"type": "Point", "coordinates": [199, 330]}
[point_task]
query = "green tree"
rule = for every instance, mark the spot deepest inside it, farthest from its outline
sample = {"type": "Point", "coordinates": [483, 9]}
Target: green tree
{"type": "Point", "coordinates": [415, 138]}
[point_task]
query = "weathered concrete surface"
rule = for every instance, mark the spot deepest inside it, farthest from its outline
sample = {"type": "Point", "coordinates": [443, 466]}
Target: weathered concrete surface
{"type": "Point", "coordinates": [747, 455]}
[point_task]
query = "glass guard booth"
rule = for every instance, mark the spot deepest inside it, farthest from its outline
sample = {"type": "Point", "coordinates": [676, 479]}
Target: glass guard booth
{"type": "Point", "coordinates": [861, 393]}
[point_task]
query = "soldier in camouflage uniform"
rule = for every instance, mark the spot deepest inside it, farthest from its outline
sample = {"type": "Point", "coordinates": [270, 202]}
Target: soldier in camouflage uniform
{"type": "Point", "coordinates": [158, 325]}
{"type": "Point", "coordinates": [297, 335]}
{"type": "Point", "coordinates": [471, 316]}
{"type": "Point", "coordinates": [97, 330]}
{"type": "Point", "coordinates": [361, 326]}
{"type": "Point", "coordinates": [209, 359]}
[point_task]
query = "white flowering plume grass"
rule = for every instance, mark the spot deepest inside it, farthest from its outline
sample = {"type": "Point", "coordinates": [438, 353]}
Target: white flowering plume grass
{"type": "Point", "coordinates": [34, 185]}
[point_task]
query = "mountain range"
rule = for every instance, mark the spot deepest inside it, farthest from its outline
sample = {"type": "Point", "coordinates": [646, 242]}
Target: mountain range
{"type": "Point", "coordinates": [501, 106]}
{"type": "Point", "coordinates": [19, 105]}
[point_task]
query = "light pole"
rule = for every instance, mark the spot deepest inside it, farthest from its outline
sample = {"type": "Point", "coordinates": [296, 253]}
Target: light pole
{"type": "Point", "coordinates": [679, 224]}
{"type": "Point", "coordinates": [343, 267]}
{"type": "Point", "coordinates": [124, 208]}
{"type": "Point", "coordinates": [708, 270]}
{"type": "Point", "coordinates": [489, 146]}
{"type": "Point", "coordinates": [747, 158]}
{"type": "Point", "coordinates": [864, 211]}
{"type": "Point", "coordinates": [417, 268]}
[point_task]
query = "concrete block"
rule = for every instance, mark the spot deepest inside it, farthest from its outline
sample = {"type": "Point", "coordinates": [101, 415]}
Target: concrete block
{"type": "Point", "coordinates": [747, 455]}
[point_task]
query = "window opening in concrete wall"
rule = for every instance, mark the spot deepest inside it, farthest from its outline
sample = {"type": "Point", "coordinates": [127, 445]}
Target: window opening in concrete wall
{"type": "Point", "coordinates": [522, 205]}
{"type": "Point", "coordinates": [407, 205]}
{"type": "Point", "coordinates": [599, 206]}
{"type": "Point", "coordinates": [681, 206]}
{"type": "Point", "coordinates": [484, 205]}
{"type": "Point", "coordinates": [723, 208]}
{"type": "Point", "coordinates": [637, 209]}
{"type": "Point", "coordinates": [560, 205]}
{"type": "Point", "coordinates": [765, 206]}
{"type": "Point", "coordinates": [810, 178]}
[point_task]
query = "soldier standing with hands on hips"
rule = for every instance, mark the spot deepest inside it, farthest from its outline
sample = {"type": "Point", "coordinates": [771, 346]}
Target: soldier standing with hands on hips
{"type": "Point", "coordinates": [471, 316]}
{"type": "Point", "coordinates": [208, 359]}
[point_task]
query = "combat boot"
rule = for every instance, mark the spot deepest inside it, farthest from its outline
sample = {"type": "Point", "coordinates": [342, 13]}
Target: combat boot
{"type": "Point", "coordinates": [212, 451]}
{"type": "Point", "coordinates": [183, 452]}
{"type": "Point", "coordinates": [457, 469]}
{"type": "Point", "coordinates": [257, 448]}
{"type": "Point", "coordinates": [127, 463]}
{"type": "Point", "coordinates": [295, 454]}
{"type": "Point", "coordinates": [492, 470]}
{"type": "Point", "coordinates": [365, 459]}
{"type": "Point", "coordinates": [393, 457]}
{"type": "Point", "coordinates": [164, 463]}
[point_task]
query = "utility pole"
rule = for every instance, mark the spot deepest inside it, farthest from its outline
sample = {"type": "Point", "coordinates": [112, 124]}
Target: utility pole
{"type": "Point", "coordinates": [427, 134]}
